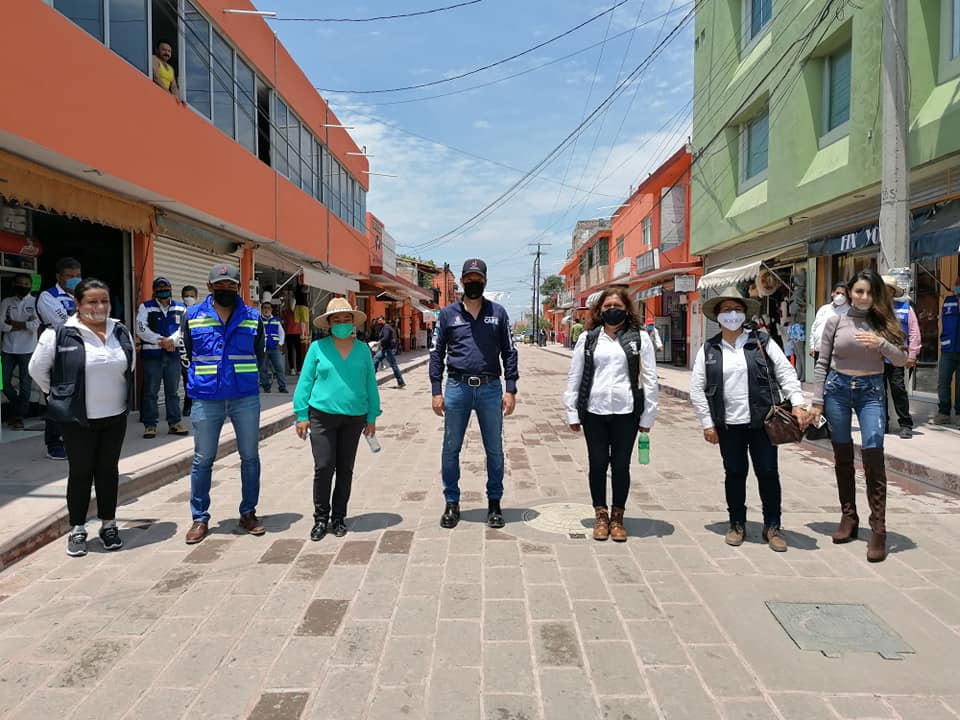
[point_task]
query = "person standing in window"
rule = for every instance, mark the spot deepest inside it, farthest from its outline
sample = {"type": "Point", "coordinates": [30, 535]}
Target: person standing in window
{"type": "Point", "coordinates": [388, 341]}
{"type": "Point", "coordinates": [612, 393]}
{"type": "Point", "coordinates": [949, 370]}
{"type": "Point", "coordinates": [849, 378]}
{"type": "Point", "coordinates": [86, 366]}
{"type": "Point", "coordinates": [273, 354]}
{"type": "Point", "coordinates": [163, 73]}
{"type": "Point", "coordinates": [19, 324]}
{"type": "Point", "coordinates": [731, 389]}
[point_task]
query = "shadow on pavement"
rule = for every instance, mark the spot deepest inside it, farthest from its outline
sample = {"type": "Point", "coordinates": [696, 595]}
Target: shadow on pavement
{"type": "Point", "coordinates": [510, 515]}
{"type": "Point", "coordinates": [371, 522]}
{"type": "Point", "coordinates": [896, 542]}
{"type": "Point", "coordinates": [795, 540]}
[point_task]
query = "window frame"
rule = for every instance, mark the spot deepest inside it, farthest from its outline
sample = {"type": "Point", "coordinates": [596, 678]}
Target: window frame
{"type": "Point", "coordinates": [750, 181]}
{"type": "Point", "coordinates": [646, 232]}
{"type": "Point", "coordinates": [949, 66]}
{"type": "Point", "coordinates": [749, 39]}
{"type": "Point", "coordinates": [829, 135]}
{"type": "Point", "coordinates": [214, 63]}
{"type": "Point", "coordinates": [105, 32]}
{"type": "Point", "coordinates": [620, 244]}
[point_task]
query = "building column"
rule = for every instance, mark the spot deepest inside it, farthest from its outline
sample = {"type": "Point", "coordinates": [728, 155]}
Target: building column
{"type": "Point", "coordinates": [246, 273]}
{"type": "Point", "coordinates": [143, 266]}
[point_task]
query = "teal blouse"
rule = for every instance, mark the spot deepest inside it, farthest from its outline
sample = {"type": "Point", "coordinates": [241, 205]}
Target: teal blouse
{"type": "Point", "coordinates": [331, 384]}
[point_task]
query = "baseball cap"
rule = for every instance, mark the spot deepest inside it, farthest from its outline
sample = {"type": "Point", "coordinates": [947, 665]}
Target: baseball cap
{"type": "Point", "coordinates": [474, 265]}
{"type": "Point", "coordinates": [157, 282]}
{"type": "Point", "coordinates": [224, 272]}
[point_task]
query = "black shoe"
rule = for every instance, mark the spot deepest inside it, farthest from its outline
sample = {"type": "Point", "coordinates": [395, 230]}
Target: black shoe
{"type": "Point", "coordinates": [110, 537]}
{"type": "Point", "coordinates": [319, 529]}
{"type": "Point", "coordinates": [494, 514]}
{"type": "Point", "coordinates": [266, 389]}
{"type": "Point", "coordinates": [451, 516]}
{"type": "Point", "coordinates": [282, 390]}
{"type": "Point", "coordinates": [338, 527]}
{"type": "Point", "coordinates": [906, 433]}
{"type": "Point", "coordinates": [77, 543]}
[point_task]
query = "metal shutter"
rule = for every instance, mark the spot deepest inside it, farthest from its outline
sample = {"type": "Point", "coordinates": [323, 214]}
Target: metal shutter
{"type": "Point", "coordinates": [184, 264]}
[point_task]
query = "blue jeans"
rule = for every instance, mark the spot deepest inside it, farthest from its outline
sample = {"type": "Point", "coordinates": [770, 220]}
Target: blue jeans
{"type": "Point", "coordinates": [19, 401]}
{"type": "Point", "coordinates": [208, 417]}
{"type": "Point", "coordinates": [272, 358]}
{"type": "Point", "coordinates": [949, 370]}
{"type": "Point", "coordinates": [866, 395]}
{"type": "Point", "coordinates": [156, 369]}
{"type": "Point", "coordinates": [459, 400]}
{"type": "Point", "coordinates": [391, 358]}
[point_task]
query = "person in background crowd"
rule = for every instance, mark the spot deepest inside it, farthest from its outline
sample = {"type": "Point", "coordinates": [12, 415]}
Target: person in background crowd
{"type": "Point", "coordinates": [273, 353]}
{"type": "Point", "coordinates": [838, 305]}
{"type": "Point", "coordinates": [731, 389]}
{"type": "Point", "coordinates": [388, 340]}
{"type": "Point", "coordinates": [575, 330]}
{"type": "Point", "coordinates": [158, 327]}
{"type": "Point", "coordinates": [654, 336]}
{"type": "Point", "coordinates": [189, 295]}
{"type": "Point", "coordinates": [473, 335]}
{"type": "Point", "coordinates": [54, 306]}
{"type": "Point", "coordinates": [949, 370]}
{"type": "Point", "coordinates": [301, 313]}
{"type": "Point", "coordinates": [895, 377]}
{"type": "Point", "coordinates": [163, 72]}
{"type": "Point", "coordinates": [849, 378]}
{"type": "Point", "coordinates": [336, 401]}
{"type": "Point", "coordinates": [292, 334]}
{"type": "Point", "coordinates": [89, 390]}
{"type": "Point", "coordinates": [223, 340]}
{"type": "Point", "coordinates": [19, 324]}
{"type": "Point", "coordinates": [612, 393]}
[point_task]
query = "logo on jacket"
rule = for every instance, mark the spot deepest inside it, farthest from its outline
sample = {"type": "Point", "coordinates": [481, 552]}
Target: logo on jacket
{"type": "Point", "coordinates": [491, 320]}
{"type": "Point", "coordinates": [633, 347]}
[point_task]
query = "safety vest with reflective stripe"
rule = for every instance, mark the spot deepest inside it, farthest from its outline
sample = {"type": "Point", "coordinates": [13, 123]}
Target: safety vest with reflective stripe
{"type": "Point", "coordinates": [224, 362]}
{"type": "Point", "coordinates": [272, 327]}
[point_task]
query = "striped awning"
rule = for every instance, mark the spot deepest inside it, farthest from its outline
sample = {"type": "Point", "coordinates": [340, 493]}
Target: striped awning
{"type": "Point", "coordinates": [726, 276]}
{"type": "Point", "coordinates": [650, 292]}
{"type": "Point", "coordinates": [593, 297]}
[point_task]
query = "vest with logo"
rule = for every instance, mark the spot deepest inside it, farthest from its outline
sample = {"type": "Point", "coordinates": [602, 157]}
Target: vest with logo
{"type": "Point", "coordinates": [629, 340]}
{"type": "Point", "coordinates": [67, 402]}
{"type": "Point", "coordinates": [164, 324]}
{"type": "Point", "coordinates": [224, 362]}
{"type": "Point", "coordinates": [759, 395]}
{"type": "Point", "coordinates": [950, 324]}
{"type": "Point", "coordinates": [64, 298]}
{"type": "Point", "coordinates": [272, 327]}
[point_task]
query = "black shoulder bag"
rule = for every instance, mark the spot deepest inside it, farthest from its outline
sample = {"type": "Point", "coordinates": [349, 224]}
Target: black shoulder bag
{"type": "Point", "coordinates": [780, 424]}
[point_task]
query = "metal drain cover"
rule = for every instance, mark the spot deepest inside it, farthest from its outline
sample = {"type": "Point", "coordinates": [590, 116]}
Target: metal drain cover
{"type": "Point", "coordinates": [570, 519]}
{"type": "Point", "coordinates": [834, 629]}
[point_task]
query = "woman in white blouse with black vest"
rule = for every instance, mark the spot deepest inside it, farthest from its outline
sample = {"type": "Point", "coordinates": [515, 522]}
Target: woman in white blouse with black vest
{"type": "Point", "coordinates": [86, 367]}
{"type": "Point", "coordinates": [612, 394]}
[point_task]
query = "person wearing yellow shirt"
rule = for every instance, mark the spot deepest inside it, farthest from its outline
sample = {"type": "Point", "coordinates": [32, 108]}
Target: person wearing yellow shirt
{"type": "Point", "coordinates": [163, 72]}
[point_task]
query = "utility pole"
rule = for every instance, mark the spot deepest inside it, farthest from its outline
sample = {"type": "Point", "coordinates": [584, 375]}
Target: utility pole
{"type": "Point", "coordinates": [536, 291]}
{"type": "Point", "coordinates": [895, 187]}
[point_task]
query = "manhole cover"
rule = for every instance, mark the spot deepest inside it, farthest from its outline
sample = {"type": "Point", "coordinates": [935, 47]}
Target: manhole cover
{"type": "Point", "coordinates": [570, 519]}
{"type": "Point", "coordinates": [834, 629]}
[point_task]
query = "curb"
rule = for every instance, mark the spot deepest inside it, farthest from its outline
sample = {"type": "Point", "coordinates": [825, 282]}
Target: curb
{"type": "Point", "coordinates": [151, 478]}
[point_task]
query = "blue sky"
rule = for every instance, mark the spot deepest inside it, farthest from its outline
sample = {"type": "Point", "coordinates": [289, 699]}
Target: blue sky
{"type": "Point", "coordinates": [512, 123]}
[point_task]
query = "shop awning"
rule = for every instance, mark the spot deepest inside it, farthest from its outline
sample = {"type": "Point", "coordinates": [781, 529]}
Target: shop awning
{"type": "Point", "coordinates": [940, 236]}
{"type": "Point", "coordinates": [34, 185]}
{"type": "Point", "coordinates": [593, 297]}
{"type": "Point", "coordinates": [650, 292]}
{"type": "Point", "coordinates": [292, 262]}
{"type": "Point", "coordinates": [426, 313]}
{"type": "Point", "coordinates": [727, 276]}
{"type": "Point", "coordinates": [567, 319]}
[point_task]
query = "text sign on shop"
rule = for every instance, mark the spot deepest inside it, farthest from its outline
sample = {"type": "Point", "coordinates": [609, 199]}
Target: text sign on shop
{"type": "Point", "coordinates": [685, 283]}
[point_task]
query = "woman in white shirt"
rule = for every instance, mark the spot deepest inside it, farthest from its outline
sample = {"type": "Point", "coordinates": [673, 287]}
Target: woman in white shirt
{"type": "Point", "coordinates": [732, 391]}
{"type": "Point", "coordinates": [612, 393]}
{"type": "Point", "coordinates": [86, 367]}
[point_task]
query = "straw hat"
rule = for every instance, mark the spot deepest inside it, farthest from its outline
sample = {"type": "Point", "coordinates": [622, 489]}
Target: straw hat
{"type": "Point", "coordinates": [731, 293]}
{"type": "Point", "coordinates": [335, 306]}
{"type": "Point", "coordinates": [891, 282]}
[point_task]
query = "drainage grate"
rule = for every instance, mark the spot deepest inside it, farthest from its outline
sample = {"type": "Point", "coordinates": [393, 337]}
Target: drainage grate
{"type": "Point", "coordinates": [568, 519]}
{"type": "Point", "coordinates": [835, 628]}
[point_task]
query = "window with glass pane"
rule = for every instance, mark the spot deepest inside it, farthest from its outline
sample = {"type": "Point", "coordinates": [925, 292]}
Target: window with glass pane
{"type": "Point", "coordinates": [306, 152]}
{"type": "Point", "coordinates": [280, 144]}
{"type": "Point", "coordinates": [224, 104]}
{"type": "Point", "coordinates": [647, 231]}
{"type": "Point", "coordinates": [358, 208]}
{"type": "Point", "coordinates": [88, 14]}
{"type": "Point", "coordinates": [755, 151]}
{"type": "Point", "coordinates": [318, 169]}
{"type": "Point", "coordinates": [363, 211]}
{"type": "Point", "coordinates": [197, 72]}
{"type": "Point", "coordinates": [246, 106]}
{"type": "Point", "coordinates": [620, 247]}
{"type": "Point", "coordinates": [955, 29]}
{"type": "Point", "coordinates": [760, 13]}
{"type": "Point", "coordinates": [838, 88]}
{"type": "Point", "coordinates": [128, 32]}
{"type": "Point", "coordinates": [293, 139]}
{"type": "Point", "coordinates": [342, 177]}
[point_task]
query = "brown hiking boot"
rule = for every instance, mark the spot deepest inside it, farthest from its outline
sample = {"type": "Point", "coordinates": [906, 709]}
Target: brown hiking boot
{"type": "Point", "coordinates": [618, 533]}
{"type": "Point", "coordinates": [735, 534]}
{"type": "Point", "coordinates": [196, 533]}
{"type": "Point", "coordinates": [249, 522]}
{"type": "Point", "coordinates": [874, 468]}
{"type": "Point", "coordinates": [847, 492]}
{"type": "Point", "coordinates": [601, 524]}
{"type": "Point", "coordinates": [773, 536]}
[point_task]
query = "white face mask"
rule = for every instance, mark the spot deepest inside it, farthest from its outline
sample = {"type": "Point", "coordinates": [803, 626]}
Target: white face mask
{"type": "Point", "coordinates": [189, 300]}
{"type": "Point", "coordinates": [839, 299]}
{"type": "Point", "coordinates": [732, 320]}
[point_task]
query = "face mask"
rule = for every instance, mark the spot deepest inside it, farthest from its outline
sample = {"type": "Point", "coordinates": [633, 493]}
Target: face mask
{"type": "Point", "coordinates": [72, 283]}
{"type": "Point", "coordinates": [839, 299]}
{"type": "Point", "coordinates": [341, 330]}
{"type": "Point", "coordinates": [225, 298]}
{"type": "Point", "coordinates": [189, 300]}
{"type": "Point", "coordinates": [163, 294]}
{"type": "Point", "coordinates": [861, 305]}
{"type": "Point", "coordinates": [732, 320]}
{"type": "Point", "coordinates": [614, 316]}
{"type": "Point", "coordinates": [21, 292]}
{"type": "Point", "coordinates": [96, 317]}
{"type": "Point", "coordinates": [473, 290]}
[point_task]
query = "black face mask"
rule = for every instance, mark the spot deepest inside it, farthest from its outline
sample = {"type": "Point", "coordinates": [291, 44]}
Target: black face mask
{"type": "Point", "coordinates": [473, 290]}
{"type": "Point", "coordinates": [614, 316]}
{"type": "Point", "coordinates": [163, 294]}
{"type": "Point", "coordinates": [20, 292]}
{"type": "Point", "coordinates": [225, 298]}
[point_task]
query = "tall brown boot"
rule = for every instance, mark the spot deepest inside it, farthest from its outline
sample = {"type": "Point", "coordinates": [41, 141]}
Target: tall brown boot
{"type": "Point", "coordinates": [847, 491]}
{"type": "Point", "coordinates": [617, 532]}
{"type": "Point", "coordinates": [601, 524]}
{"type": "Point", "coordinates": [875, 470]}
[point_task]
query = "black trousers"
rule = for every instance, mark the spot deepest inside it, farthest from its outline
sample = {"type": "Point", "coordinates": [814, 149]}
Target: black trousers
{"type": "Point", "coordinates": [334, 440]}
{"type": "Point", "coordinates": [294, 352]}
{"type": "Point", "coordinates": [187, 402]}
{"type": "Point", "coordinates": [94, 454]}
{"type": "Point", "coordinates": [736, 442]}
{"type": "Point", "coordinates": [52, 434]}
{"type": "Point", "coordinates": [895, 378]}
{"type": "Point", "coordinates": [610, 440]}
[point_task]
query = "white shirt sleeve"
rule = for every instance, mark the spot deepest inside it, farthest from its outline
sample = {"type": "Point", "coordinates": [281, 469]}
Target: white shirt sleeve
{"type": "Point", "coordinates": [786, 374]}
{"type": "Point", "coordinates": [143, 328]}
{"type": "Point", "coordinates": [698, 396]}
{"type": "Point", "coordinates": [283, 335]}
{"type": "Point", "coordinates": [4, 307]}
{"type": "Point", "coordinates": [574, 375]}
{"type": "Point", "coordinates": [648, 377]}
{"type": "Point", "coordinates": [51, 311]}
{"type": "Point", "coordinates": [175, 335]}
{"type": "Point", "coordinates": [816, 332]}
{"type": "Point", "coordinates": [41, 362]}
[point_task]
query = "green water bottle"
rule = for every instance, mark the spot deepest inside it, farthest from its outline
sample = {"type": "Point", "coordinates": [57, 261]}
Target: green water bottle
{"type": "Point", "coordinates": [643, 448]}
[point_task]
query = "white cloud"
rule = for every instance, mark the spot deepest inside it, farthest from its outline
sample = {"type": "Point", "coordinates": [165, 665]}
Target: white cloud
{"type": "Point", "coordinates": [481, 124]}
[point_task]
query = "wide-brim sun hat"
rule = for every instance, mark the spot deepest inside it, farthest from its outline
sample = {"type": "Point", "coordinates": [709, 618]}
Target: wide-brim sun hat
{"type": "Point", "coordinates": [335, 307]}
{"type": "Point", "coordinates": [731, 293]}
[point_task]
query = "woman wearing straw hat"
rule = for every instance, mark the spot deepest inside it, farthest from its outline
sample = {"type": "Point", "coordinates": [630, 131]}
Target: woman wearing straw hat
{"type": "Point", "coordinates": [731, 389]}
{"type": "Point", "coordinates": [336, 401]}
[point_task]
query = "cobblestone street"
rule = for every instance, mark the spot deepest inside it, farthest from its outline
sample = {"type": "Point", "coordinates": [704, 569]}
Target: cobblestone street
{"type": "Point", "coordinates": [404, 619]}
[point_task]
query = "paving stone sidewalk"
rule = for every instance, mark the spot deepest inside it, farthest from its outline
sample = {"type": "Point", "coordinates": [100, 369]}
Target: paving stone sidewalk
{"type": "Point", "coordinates": [402, 619]}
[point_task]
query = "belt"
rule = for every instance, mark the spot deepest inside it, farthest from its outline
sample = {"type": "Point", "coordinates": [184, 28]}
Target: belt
{"type": "Point", "coordinates": [473, 380]}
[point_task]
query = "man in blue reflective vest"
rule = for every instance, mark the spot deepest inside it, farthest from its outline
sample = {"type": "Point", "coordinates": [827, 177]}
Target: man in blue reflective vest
{"type": "Point", "coordinates": [273, 357]}
{"type": "Point", "coordinates": [223, 339]}
{"type": "Point", "coordinates": [949, 370]}
{"type": "Point", "coordinates": [158, 327]}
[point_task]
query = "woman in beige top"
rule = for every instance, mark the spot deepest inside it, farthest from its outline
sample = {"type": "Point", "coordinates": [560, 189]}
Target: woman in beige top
{"type": "Point", "coordinates": [848, 379]}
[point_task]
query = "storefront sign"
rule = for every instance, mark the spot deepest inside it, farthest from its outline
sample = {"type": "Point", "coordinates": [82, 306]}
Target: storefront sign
{"type": "Point", "coordinates": [19, 245]}
{"type": "Point", "coordinates": [685, 283]}
{"type": "Point", "coordinates": [848, 242]}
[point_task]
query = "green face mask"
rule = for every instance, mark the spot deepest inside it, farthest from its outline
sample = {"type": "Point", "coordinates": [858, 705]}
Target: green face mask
{"type": "Point", "coordinates": [341, 330]}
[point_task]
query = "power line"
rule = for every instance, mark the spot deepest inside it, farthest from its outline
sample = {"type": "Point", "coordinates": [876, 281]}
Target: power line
{"type": "Point", "coordinates": [417, 13]}
{"type": "Point", "coordinates": [484, 67]}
